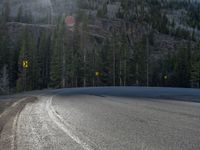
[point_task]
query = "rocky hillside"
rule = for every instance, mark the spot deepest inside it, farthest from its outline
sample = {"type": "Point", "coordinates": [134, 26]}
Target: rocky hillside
{"type": "Point", "coordinates": [180, 15]}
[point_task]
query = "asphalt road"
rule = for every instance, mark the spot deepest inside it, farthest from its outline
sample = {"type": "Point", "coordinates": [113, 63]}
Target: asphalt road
{"type": "Point", "coordinates": [109, 119]}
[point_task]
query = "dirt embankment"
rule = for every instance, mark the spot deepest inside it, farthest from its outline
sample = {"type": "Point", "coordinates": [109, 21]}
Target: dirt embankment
{"type": "Point", "coordinates": [9, 113]}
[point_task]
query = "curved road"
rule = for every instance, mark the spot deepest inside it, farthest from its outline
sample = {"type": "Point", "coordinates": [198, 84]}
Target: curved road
{"type": "Point", "coordinates": [110, 119]}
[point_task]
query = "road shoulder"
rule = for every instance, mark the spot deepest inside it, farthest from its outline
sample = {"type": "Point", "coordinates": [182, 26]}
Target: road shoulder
{"type": "Point", "coordinates": [10, 111]}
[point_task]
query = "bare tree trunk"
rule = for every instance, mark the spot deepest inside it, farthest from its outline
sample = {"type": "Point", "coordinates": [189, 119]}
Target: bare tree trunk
{"type": "Point", "coordinates": [137, 74]}
{"type": "Point", "coordinates": [147, 51]}
{"type": "Point", "coordinates": [76, 81]}
{"type": "Point", "coordinates": [147, 62]}
{"type": "Point", "coordinates": [63, 65]}
{"type": "Point", "coordinates": [120, 73]}
{"type": "Point", "coordinates": [84, 61]}
{"type": "Point", "coordinates": [125, 72]}
{"type": "Point", "coordinates": [84, 55]}
{"type": "Point", "coordinates": [94, 67]}
{"type": "Point", "coordinates": [125, 56]}
{"type": "Point", "coordinates": [114, 65]}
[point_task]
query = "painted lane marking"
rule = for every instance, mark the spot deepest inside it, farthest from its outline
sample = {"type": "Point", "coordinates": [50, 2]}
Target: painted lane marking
{"type": "Point", "coordinates": [56, 119]}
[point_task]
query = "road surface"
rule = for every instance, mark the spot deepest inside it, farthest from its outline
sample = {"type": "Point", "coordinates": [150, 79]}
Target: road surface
{"type": "Point", "coordinates": [129, 118]}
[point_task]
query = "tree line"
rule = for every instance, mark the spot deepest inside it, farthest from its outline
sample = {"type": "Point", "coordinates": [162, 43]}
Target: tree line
{"type": "Point", "coordinates": [73, 58]}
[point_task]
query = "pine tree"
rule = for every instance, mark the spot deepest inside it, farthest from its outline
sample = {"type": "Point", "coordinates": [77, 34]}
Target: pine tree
{"type": "Point", "coordinates": [5, 52]}
{"type": "Point", "coordinates": [58, 62]}
{"type": "Point", "coordinates": [20, 14]}
{"type": "Point", "coordinates": [105, 63]}
{"type": "Point", "coordinates": [43, 60]}
{"type": "Point", "coordinates": [4, 80]}
{"type": "Point", "coordinates": [22, 73]}
{"type": "Point", "coordinates": [195, 70]}
{"type": "Point", "coordinates": [183, 65]}
{"type": "Point", "coordinates": [6, 11]}
{"type": "Point", "coordinates": [26, 76]}
{"type": "Point", "coordinates": [83, 46]}
{"type": "Point", "coordinates": [124, 52]}
{"type": "Point", "coordinates": [141, 63]}
{"type": "Point", "coordinates": [77, 68]}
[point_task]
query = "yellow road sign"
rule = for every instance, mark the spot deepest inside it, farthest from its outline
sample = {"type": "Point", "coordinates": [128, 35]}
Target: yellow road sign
{"type": "Point", "coordinates": [97, 74]}
{"type": "Point", "coordinates": [25, 64]}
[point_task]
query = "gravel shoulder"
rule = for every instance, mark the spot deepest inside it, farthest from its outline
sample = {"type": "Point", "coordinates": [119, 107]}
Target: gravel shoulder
{"type": "Point", "coordinates": [9, 112]}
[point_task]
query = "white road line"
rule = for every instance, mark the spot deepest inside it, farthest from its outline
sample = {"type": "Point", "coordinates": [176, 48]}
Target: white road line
{"type": "Point", "coordinates": [55, 118]}
{"type": "Point", "coordinates": [17, 102]}
{"type": "Point", "coordinates": [14, 125]}
{"type": "Point", "coordinates": [13, 105]}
